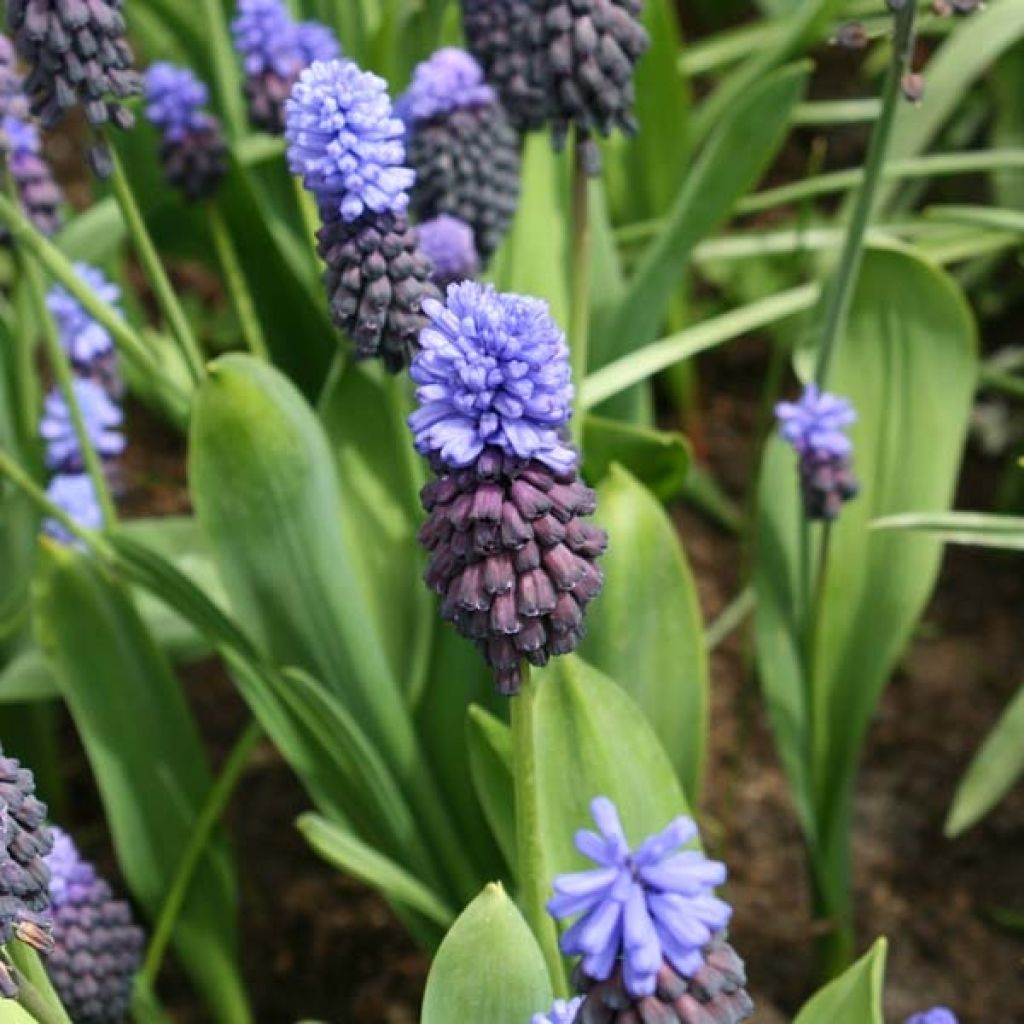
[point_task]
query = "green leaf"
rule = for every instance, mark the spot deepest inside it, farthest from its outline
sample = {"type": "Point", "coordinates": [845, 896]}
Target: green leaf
{"type": "Point", "coordinates": [741, 149]}
{"type": "Point", "coordinates": [146, 757]}
{"type": "Point", "coordinates": [347, 853]}
{"type": "Point", "coordinates": [646, 629]}
{"type": "Point", "coordinates": [853, 998]}
{"type": "Point", "coordinates": [30, 968]}
{"type": "Point", "coordinates": [28, 677]}
{"type": "Point", "coordinates": [592, 740]}
{"type": "Point", "coordinates": [971, 528]}
{"type": "Point", "coordinates": [995, 770]}
{"type": "Point", "coordinates": [534, 257]}
{"type": "Point", "coordinates": [911, 338]}
{"type": "Point", "coordinates": [490, 763]}
{"type": "Point", "coordinates": [659, 459]}
{"type": "Point", "coordinates": [380, 476]}
{"type": "Point", "coordinates": [508, 988]}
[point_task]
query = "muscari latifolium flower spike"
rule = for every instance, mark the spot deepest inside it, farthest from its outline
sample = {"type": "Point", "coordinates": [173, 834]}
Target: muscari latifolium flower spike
{"type": "Point", "coordinates": [97, 946]}
{"type": "Point", "coordinates": [346, 144]}
{"type": "Point", "coordinates": [13, 101]}
{"type": "Point", "coordinates": [77, 54]}
{"type": "Point", "coordinates": [40, 195]}
{"type": "Point", "coordinates": [511, 554]}
{"type": "Point", "coordinates": [936, 1015]}
{"type": "Point", "coordinates": [192, 148]}
{"type": "Point", "coordinates": [25, 840]}
{"type": "Point", "coordinates": [816, 426]}
{"type": "Point", "coordinates": [102, 418]}
{"type": "Point", "coordinates": [567, 63]}
{"type": "Point", "coordinates": [462, 147]}
{"type": "Point", "coordinates": [649, 931]}
{"type": "Point", "coordinates": [274, 51]}
{"type": "Point", "coordinates": [448, 243]}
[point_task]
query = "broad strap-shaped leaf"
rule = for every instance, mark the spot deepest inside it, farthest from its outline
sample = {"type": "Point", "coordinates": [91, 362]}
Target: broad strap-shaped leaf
{"type": "Point", "coordinates": [974, 529]}
{"type": "Point", "coordinates": [146, 757]}
{"type": "Point", "coordinates": [489, 968]}
{"type": "Point", "coordinates": [645, 630]}
{"type": "Point", "coordinates": [27, 678]}
{"type": "Point", "coordinates": [490, 763]}
{"type": "Point", "coordinates": [659, 459]}
{"type": "Point", "coordinates": [996, 769]}
{"type": "Point", "coordinates": [853, 998]}
{"type": "Point", "coordinates": [592, 740]}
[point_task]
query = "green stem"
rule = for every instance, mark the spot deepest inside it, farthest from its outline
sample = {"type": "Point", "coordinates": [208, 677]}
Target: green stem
{"type": "Point", "coordinates": [730, 619]}
{"type": "Point", "coordinates": [61, 367]}
{"type": "Point", "coordinates": [229, 97]}
{"type": "Point", "coordinates": [166, 297]}
{"type": "Point", "coordinates": [236, 283]}
{"type": "Point", "coordinates": [839, 295]}
{"type": "Point", "coordinates": [35, 1005]}
{"type": "Point", "coordinates": [579, 325]}
{"type": "Point", "coordinates": [533, 880]}
{"type": "Point", "coordinates": [209, 817]}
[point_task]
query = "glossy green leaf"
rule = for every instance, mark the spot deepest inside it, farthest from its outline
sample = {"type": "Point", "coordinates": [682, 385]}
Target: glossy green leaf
{"type": "Point", "coordinates": [28, 677]}
{"type": "Point", "coordinates": [347, 853]}
{"type": "Point", "coordinates": [743, 145]}
{"type": "Point", "coordinates": [593, 740]}
{"type": "Point", "coordinates": [146, 757]}
{"type": "Point", "coordinates": [490, 764]}
{"type": "Point", "coordinates": [970, 528]}
{"type": "Point", "coordinates": [380, 476]}
{"type": "Point", "coordinates": [646, 630]}
{"type": "Point", "coordinates": [995, 770]}
{"type": "Point", "coordinates": [908, 364]}
{"type": "Point", "coordinates": [506, 988]}
{"type": "Point", "coordinates": [853, 998]}
{"type": "Point", "coordinates": [659, 459]}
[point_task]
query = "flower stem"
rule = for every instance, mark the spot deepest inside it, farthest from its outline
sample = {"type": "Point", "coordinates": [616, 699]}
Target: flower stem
{"type": "Point", "coordinates": [155, 272]}
{"type": "Point", "coordinates": [33, 1003]}
{"type": "Point", "coordinates": [533, 881]}
{"type": "Point", "coordinates": [61, 367]}
{"type": "Point", "coordinates": [839, 296]}
{"type": "Point", "coordinates": [213, 809]}
{"type": "Point", "coordinates": [579, 324]}
{"type": "Point", "coordinates": [236, 283]}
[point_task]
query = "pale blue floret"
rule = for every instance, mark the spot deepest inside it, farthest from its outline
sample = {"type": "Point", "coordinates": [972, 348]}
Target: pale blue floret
{"type": "Point", "coordinates": [83, 338]}
{"type": "Point", "coordinates": [175, 98]}
{"type": "Point", "coordinates": [563, 1011]}
{"type": "Point", "coordinates": [102, 419]}
{"type": "Point", "coordinates": [449, 80]}
{"type": "Point", "coordinates": [816, 424]}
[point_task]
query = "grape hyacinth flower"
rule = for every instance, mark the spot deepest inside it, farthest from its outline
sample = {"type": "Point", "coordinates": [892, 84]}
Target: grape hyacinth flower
{"type": "Point", "coordinates": [346, 144]}
{"type": "Point", "coordinates": [77, 53]}
{"type": "Point", "coordinates": [448, 243]}
{"type": "Point", "coordinates": [650, 932]}
{"type": "Point", "coordinates": [192, 151]}
{"type": "Point", "coordinates": [25, 840]}
{"type": "Point", "coordinates": [568, 63]}
{"type": "Point", "coordinates": [563, 1011]}
{"type": "Point", "coordinates": [102, 418]}
{"type": "Point", "coordinates": [13, 101]}
{"type": "Point", "coordinates": [88, 344]}
{"type": "Point", "coordinates": [274, 51]}
{"type": "Point", "coordinates": [815, 427]}
{"type": "Point", "coordinates": [462, 147]}
{"type": "Point", "coordinates": [75, 495]}
{"type": "Point", "coordinates": [936, 1015]}
{"type": "Point", "coordinates": [511, 555]}
{"type": "Point", "coordinates": [97, 946]}
{"type": "Point", "coordinates": [39, 193]}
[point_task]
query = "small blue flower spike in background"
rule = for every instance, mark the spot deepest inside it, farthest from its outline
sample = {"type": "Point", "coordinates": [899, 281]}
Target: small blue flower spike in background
{"type": "Point", "coordinates": [562, 1012]}
{"type": "Point", "coordinates": [816, 426]}
{"type": "Point", "coordinates": [102, 418]}
{"type": "Point", "coordinates": [75, 495]}
{"type": "Point", "coordinates": [448, 243]}
{"type": "Point", "coordinates": [40, 195]}
{"type": "Point", "coordinates": [84, 339]}
{"type": "Point", "coordinates": [450, 79]}
{"type": "Point", "coordinates": [174, 100]}
{"type": "Point", "coordinates": [936, 1015]}
{"type": "Point", "coordinates": [493, 370]}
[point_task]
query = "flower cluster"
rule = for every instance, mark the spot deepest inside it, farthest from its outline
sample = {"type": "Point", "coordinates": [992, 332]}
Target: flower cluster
{"type": "Point", "coordinates": [97, 946]}
{"type": "Point", "coordinates": [13, 101]}
{"type": "Point", "coordinates": [274, 51]}
{"type": "Point", "coordinates": [567, 63]}
{"type": "Point", "coordinates": [192, 151]}
{"type": "Point", "coordinates": [816, 426]}
{"type": "Point", "coordinates": [650, 932]}
{"type": "Point", "coordinates": [346, 143]}
{"type": "Point", "coordinates": [448, 243]}
{"type": "Point", "coordinates": [511, 554]}
{"type": "Point", "coordinates": [77, 53]}
{"type": "Point", "coordinates": [462, 147]}
{"type": "Point", "coordinates": [25, 841]}
{"type": "Point", "coordinates": [563, 1011]}
{"type": "Point", "coordinates": [97, 388]}
{"type": "Point", "coordinates": [39, 193]}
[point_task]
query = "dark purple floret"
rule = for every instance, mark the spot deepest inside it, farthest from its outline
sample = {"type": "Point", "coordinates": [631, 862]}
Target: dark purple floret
{"type": "Point", "coordinates": [41, 197]}
{"type": "Point", "coordinates": [77, 53]}
{"type": "Point", "coordinates": [25, 840]}
{"type": "Point", "coordinates": [512, 557]}
{"type": "Point", "coordinates": [97, 945]}
{"type": "Point", "coordinates": [567, 63]}
{"type": "Point", "coordinates": [462, 146]}
{"type": "Point", "coordinates": [815, 427]}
